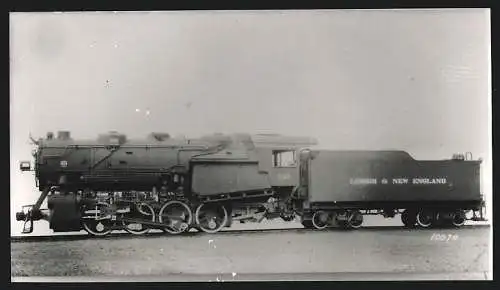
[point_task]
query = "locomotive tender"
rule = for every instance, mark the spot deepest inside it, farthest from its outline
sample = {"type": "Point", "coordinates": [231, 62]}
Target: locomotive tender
{"type": "Point", "coordinates": [175, 184]}
{"type": "Point", "coordinates": [340, 187]}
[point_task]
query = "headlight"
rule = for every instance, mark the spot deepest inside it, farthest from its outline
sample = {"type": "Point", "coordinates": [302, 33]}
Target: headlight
{"type": "Point", "coordinates": [25, 166]}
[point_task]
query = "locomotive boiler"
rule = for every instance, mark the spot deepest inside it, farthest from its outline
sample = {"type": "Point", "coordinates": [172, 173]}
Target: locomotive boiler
{"type": "Point", "coordinates": [159, 182]}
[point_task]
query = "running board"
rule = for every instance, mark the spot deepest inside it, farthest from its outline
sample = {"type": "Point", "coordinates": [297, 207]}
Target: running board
{"type": "Point", "coordinates": [233, 196]}
{"type": "Point", "coordinates": [128, 220]}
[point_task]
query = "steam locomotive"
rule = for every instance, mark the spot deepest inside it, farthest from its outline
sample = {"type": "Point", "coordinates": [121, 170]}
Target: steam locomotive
{"type": "Point", "coordinates": [175, 184]}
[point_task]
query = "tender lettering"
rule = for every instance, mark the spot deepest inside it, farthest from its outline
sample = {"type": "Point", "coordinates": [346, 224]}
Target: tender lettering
{"type": "Point", "coordinates": [357, 181]}
{"type": "Point", "coordinates": [400, 181]}
{"type": "Point", "coordinates": [429, 181]}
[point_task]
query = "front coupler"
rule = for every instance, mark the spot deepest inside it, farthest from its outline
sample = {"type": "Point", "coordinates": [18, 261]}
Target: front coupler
{"type": "Point", "coordinates": [28, 215]}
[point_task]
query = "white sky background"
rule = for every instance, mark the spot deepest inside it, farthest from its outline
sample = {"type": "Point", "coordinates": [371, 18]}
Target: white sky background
{"type": "Point", "coordinates": [355, 79]}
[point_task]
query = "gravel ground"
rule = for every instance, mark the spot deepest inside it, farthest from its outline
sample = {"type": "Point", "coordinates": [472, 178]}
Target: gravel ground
{"type": "Point", "coordinates": [247, 256]}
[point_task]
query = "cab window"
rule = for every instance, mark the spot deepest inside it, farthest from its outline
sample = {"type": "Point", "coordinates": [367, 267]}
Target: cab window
{"type": "Point", "coordinates": [284, 158]}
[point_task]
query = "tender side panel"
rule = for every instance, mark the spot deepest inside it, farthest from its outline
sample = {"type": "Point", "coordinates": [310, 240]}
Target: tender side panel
{"type": "Point", "coordinates": [329, 175]}
{"type": "Point", "coordinates": [221, 178]}
{"type": "Point", "coordinates": [349, 178]}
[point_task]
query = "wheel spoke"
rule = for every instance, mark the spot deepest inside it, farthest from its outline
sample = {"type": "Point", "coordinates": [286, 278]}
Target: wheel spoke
{"type": "Point", "coordinates": [320, 220]}
{"type": "Point", "coordinates": [176, 216]}
{"type": "Point", "coordinates": [94, 224]}
{"type": "Point", "coordinates": [144, 212]}
{"type": "Point", "coordinates": [211, 218]}
{"type": "Point", "coordinates": [459, 218]}
{"type": "Point", "coordinates": [356, 219]}
{"type": "Point", "coordinates": [425, 219]}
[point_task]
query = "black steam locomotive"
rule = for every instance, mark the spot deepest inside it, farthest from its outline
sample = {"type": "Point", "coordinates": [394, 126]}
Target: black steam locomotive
{"type": "Point", "coordinates": [175, 184]}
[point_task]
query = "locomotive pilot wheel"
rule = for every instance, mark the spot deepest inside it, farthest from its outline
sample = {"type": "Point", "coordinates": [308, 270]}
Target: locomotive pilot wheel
{"type": "Point", "coordinates": [176, 216]}
{"type": "Point", "coordinates": [211, 218]}
{"type": "Point", "coordinates": [143, 211]}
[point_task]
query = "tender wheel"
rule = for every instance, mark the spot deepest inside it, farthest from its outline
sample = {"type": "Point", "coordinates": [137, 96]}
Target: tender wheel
{"type": "Point", "coordinates": [96, 221]}
{"type": "Point", "coordinates": [459, 219]}
{"type": "Point", "coordinates": [409, 219]}
{"type": "Point", "coordinates": [355, 219]}
{"type": "Point", "coordinates": [211, 218]}
{"type": "Point", "coordinates": [176, 216]}
{"type": "Point", "coordinates": [141, 211]}
{"type": "Point", "coordinates": [320, 220]}
{"type": "Point", "coordinates": [424, 219]}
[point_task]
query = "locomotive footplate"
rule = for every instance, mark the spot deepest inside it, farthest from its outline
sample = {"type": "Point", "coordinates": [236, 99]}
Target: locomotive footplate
{"type": "Point", "coordinates": [235, 196]}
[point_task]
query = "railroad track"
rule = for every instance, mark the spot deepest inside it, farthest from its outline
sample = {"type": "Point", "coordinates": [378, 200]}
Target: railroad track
{"type": "Point", "coordinates": [73, 237]}
{"type": "Point", "coordinates": [228, 277]}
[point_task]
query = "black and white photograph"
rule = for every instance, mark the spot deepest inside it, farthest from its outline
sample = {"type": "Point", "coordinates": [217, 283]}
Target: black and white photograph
{"type": "Point", "coordinates": [251, 145]}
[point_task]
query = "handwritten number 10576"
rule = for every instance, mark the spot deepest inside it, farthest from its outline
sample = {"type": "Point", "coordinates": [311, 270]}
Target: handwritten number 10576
{"type": "Point", "coordinates": [444, 237]}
